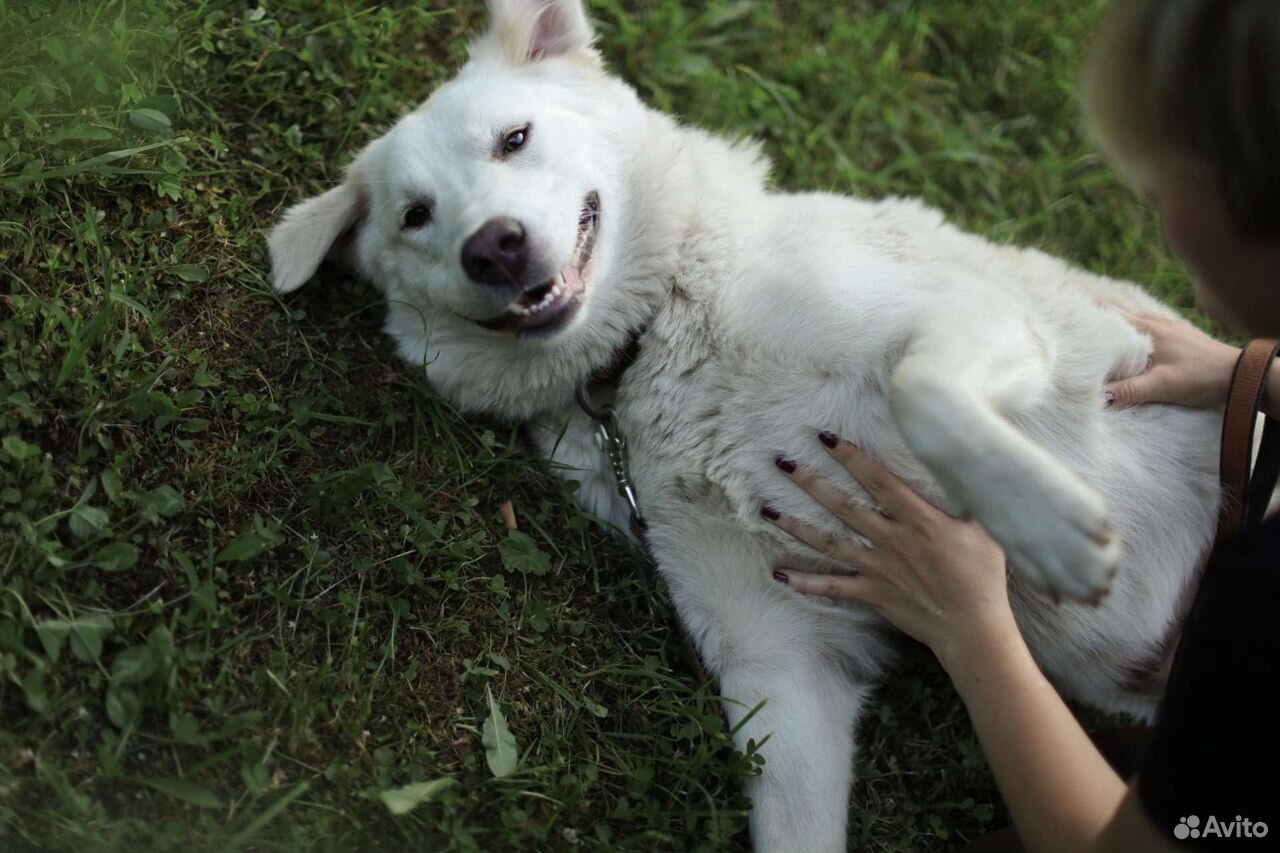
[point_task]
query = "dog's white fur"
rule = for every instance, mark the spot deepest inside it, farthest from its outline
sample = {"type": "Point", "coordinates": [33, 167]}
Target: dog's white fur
{"type": "Point", "coordinates": [972, 370]}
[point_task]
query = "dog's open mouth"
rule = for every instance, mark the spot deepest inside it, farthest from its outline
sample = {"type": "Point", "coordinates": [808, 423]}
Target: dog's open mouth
{"type": "Point", "coordinates": [546, 308]}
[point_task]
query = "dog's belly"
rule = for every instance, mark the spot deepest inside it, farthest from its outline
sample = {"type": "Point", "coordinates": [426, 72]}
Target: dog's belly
{"type": "Point", "coordinates": [703, 450]}
{"type": "Point", "coordinates": [1158, 469]}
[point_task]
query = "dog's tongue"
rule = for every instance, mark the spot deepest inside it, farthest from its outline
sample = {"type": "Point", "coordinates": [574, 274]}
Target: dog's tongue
{"type": "Point", "coordinates": [571, 278]}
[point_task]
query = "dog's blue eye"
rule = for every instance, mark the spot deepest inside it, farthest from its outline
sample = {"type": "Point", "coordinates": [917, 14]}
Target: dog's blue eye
{"type": "Point", "coordinates": [513, 140]}
{"type": "Point", "coordinates": [416, 216]}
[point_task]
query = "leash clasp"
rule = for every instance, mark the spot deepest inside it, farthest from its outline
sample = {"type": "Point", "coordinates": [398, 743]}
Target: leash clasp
{"type": "Point", "coordinates": [614, 444]}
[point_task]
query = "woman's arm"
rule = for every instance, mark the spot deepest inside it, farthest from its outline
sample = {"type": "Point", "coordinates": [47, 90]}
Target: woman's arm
{"type": "Point", "coordinates": [943, 581]}
{"type": "Point", "coordinates": [1061, 792]}
{"type": "Point", "coordinates": [1188, 368]}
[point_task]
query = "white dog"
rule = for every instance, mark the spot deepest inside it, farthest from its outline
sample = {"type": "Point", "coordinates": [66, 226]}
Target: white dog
{"type": "Point", "coordinates": [533, 216]}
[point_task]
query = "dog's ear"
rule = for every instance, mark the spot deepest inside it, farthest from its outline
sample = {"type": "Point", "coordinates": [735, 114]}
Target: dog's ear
{"type": "Point", "coordinates": [522, 31]}
{"type": "Point", "coordinates": [311, 231]}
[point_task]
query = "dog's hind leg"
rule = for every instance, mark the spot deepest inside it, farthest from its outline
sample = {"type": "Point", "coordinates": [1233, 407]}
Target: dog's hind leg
{"type": "Point", "coordinates": [800, 801]}
{"type": "Point", "coordinates": [950, 396]}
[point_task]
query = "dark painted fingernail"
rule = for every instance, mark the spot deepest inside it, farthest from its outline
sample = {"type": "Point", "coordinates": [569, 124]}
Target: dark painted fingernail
{"type": "Point", "coordinates": [770, 513]}
{"type": "Point", "coordinates": [1109, 397]}
{"type": "Point", "coordinates": [829, 439]}
{"type": "Point", "coordinates": [781, 577]}
{"type": "Point", "coordinates": [787, 466]}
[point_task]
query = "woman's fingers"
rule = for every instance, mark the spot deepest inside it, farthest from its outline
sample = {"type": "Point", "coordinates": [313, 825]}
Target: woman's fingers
{"type": "Point", "coordinates": [859, 517]}
{"type": "Point", "coordinates": [860, 588]}
{"type": "Point", "coordinates": [1148, 387]}
{"type": "Point", "coordinates": [839, 548]}
{"type": "Point", "coordinates": [897, 498]}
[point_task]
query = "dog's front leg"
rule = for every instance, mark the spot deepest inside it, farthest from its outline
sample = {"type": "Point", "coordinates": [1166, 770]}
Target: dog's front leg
{"type": "Point", "coordinates": [800, 800]}
{"type": "Point", "coordinates": [786, 673]}
{"type": "Point", "coordinates": [950, 395]}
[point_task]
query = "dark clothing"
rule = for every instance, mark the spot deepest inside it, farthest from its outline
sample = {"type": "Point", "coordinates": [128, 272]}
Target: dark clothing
{"type": "Point", "coordinates": [1216, 747]}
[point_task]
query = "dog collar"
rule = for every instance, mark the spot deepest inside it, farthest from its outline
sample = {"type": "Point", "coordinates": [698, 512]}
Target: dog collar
{"type": "Point", "coordinates": [608, 436]}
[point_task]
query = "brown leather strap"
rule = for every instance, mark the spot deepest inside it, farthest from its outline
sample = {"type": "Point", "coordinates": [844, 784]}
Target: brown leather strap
{"type": "Point", "coordinates": [1236, 462]}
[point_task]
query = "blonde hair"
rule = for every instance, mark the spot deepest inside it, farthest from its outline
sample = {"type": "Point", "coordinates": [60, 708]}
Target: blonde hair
{"type": "Point", "coordinates": [1198, 78]}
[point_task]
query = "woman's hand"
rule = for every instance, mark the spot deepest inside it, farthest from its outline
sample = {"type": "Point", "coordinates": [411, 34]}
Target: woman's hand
{"type": "Point", "coordinates": [936, 578]}
{"type": "Point", "coordinates": [1187, 368]}
{"type": "Point", "coordinates": [943, 582]}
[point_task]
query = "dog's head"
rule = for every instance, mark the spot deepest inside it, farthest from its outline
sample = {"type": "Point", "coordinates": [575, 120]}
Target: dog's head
{"type": "Point", "coordinates": [493, 204]}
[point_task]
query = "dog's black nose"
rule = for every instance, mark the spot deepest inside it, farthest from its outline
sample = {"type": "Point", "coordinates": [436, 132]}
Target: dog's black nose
{"type": "Point", "coordinates": [497, 253]}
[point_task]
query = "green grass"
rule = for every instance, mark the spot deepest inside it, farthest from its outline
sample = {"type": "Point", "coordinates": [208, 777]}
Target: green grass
{"type": "Point", "coordinates": [252, 571]}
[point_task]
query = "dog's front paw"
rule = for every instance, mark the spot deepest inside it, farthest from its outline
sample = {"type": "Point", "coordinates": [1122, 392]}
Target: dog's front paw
{"type": "Point", "coordinates": [1055, 532]}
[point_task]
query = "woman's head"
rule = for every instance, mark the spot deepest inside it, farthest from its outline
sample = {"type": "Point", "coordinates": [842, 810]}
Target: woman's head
{"type": "Point", "coordinates": [1184, 96]}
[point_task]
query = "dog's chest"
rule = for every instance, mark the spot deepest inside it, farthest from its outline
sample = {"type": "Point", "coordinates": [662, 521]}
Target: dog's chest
{"type": "Point", "coordinates": [673, 411]}
{"type": "Point", "coordinates": [707, 411]}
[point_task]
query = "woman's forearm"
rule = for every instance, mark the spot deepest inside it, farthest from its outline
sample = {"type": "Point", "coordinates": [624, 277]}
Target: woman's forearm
{"type": "Point", "coordinates": [1061, 792]}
